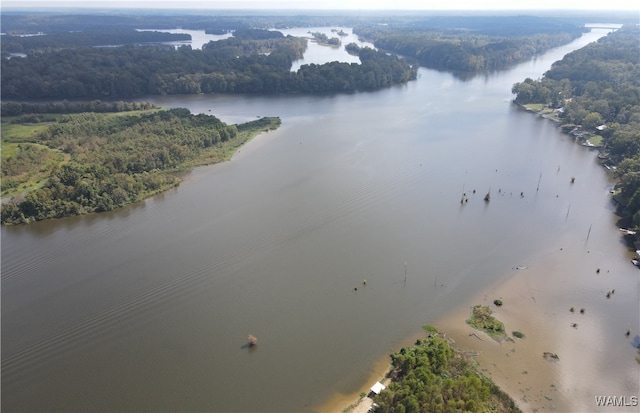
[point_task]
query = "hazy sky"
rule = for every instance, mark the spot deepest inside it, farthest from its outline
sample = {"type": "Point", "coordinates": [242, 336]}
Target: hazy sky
{"type": "Point", "coordinates": [332, 4]}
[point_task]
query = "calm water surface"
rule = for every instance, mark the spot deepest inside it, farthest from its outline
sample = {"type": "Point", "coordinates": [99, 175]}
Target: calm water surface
{"type": "Point", "coordinates": [319, 53]}
{"type": "Point", "coordinates": [148, 308]}
{"type": "Point", "coordinates": [198, 37]}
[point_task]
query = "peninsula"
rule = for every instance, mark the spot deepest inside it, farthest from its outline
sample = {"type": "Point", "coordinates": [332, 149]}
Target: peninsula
{"type": "Point", "coordinates": [63, 164]}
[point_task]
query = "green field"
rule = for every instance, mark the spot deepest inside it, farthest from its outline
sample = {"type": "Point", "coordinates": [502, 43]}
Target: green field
{"type": "Point", "coordinates": [26, 164]}
{"type": "Point", "coordinates": [595, 140]}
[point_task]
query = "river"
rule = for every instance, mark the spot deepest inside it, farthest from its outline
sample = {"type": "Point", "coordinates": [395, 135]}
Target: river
{"type": "Point", "coordinates": [148, 308]}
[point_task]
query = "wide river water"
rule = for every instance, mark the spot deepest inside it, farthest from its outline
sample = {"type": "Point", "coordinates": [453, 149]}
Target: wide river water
{"type": "Point", "coordinates": [148, 308]}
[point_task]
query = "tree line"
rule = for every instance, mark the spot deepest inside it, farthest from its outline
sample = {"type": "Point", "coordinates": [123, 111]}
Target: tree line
{"type": "Point", "coordinates": [20, 110]}
{"type": "Point", "coordinates": [112, 37]}
{"type": "Point", "coordinates": [225, 66]}
{"type": "Point", "coordinates": [597, 85]}
{"type": "Point", "coordinates": [24, 23]}
{"type": "Point", "coordinates": [507, 26]}
{"type": "Point", "coordinates": [109, 160]}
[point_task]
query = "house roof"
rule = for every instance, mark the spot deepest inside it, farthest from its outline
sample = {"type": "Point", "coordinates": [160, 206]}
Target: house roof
{"type": "Point", "coordinates": [377, 388]}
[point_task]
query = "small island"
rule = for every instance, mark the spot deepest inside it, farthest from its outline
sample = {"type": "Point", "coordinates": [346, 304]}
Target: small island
{"type": "Point", "coordinates": [483, 320]}
{"type": "Point", "coordinates": [322, 38]}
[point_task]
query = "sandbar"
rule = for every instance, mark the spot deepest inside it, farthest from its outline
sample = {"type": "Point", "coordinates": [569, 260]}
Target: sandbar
{"type": "Point", "coordinates": [595, 356]}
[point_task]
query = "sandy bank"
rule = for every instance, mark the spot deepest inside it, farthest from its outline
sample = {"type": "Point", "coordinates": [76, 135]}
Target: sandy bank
{"type": "Point", "coordinates": [595, 356]}
{"type": "Point", "coordinates": [517, 366]}
{"type": "Point", "coordinates": [353, 402]}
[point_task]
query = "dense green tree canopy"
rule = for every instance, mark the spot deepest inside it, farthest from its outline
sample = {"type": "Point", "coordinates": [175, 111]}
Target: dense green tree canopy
{"type": "Point", "coordinates": [226, 66]}
{"type": "Point", "coordinates": [26, 44]}
{"type": "Point", "coordinates": [472, 44]}
{"type": "Point", "coordinates": [431, 377]}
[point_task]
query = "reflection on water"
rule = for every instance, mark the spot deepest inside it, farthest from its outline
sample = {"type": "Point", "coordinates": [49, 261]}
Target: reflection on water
{"type": "Point", "coordinates": [147, 308]}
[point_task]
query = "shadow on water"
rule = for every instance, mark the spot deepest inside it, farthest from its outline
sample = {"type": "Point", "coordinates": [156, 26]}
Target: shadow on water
{"type": "Point", "coordinates": [250, 348]}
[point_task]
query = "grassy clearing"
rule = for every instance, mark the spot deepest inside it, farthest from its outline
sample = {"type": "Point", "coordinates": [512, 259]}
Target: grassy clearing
{"type": "Point", "coordinates": [35, 171]}
{"type": "Point", "coordinates": [9, 150]}
{"type": "Point", "coordinates": [543, 110]}
{"type": "Point", "coordinates": [17, 139]}
{"type": "Point", "coordinates": [16, 133]}
{"type": "Point", "coordinates": [595, 140]}
{"type": "Point", "coordinates": [535, 106]}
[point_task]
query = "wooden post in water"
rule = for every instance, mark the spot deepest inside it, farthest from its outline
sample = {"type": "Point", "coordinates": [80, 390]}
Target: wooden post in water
{"type": "Point", "coordinates": [539, 179]}
{"type": "Point", "coordinates": [589, 233]}
{"type": "Point", "coordinates": [405, 272]}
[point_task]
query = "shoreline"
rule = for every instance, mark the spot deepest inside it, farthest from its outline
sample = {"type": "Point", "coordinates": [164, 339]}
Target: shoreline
{"type": "Point", "coordinates": [537, 301]}
{"type": "Point", "coordinates": [353, 402]}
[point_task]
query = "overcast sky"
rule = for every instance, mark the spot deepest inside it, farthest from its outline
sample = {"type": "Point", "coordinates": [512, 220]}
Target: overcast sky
{"type": "Point", "coordinates": [332, 4]}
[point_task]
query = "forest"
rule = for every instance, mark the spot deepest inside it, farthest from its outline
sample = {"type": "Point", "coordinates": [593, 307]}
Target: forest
{"type": "Point", "coordinates": [467, 44]}
{"type": "Point", "coordinates": [225, 66]}
{"type": "Point", "coordinates": [432, 377]}
{"type": "Point", "coordinates": [596, 91]}
{"type": "Point", "coordinates": [65, 62]}
{"type": "Point", "coordinates": [107, 37]}
{"type": "Point", "coordinates": [214, 22]}
{"type": "Point", "coordinates": [91, 162]}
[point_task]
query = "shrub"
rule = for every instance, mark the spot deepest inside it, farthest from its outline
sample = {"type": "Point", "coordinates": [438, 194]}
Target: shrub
{"type": "Point", "coordinates": [482, 319]}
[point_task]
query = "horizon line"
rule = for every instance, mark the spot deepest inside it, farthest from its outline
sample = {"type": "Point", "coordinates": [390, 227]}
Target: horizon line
{"type": "Point", "coordinates": [114, 8]}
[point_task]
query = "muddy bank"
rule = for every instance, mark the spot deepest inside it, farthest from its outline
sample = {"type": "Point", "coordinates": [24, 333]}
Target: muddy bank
{"type": "Point", "coordinates": [592, 354]}
{"type": "Point", "coordinates": [570, 302]}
